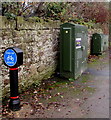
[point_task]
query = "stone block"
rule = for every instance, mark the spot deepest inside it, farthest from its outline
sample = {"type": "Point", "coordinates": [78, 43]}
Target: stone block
{"type": "Point", "coordinates": [7, 23]}
{"type": "Point", "coordinates": [41, 68]}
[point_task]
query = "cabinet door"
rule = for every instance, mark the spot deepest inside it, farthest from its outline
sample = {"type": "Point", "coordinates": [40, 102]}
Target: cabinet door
{"type": "Point", "coordinates": [67, 49]}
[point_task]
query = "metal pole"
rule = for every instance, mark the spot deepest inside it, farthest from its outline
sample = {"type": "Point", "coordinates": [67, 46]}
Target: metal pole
{"type": "Point", "coordinates": [14, 103]}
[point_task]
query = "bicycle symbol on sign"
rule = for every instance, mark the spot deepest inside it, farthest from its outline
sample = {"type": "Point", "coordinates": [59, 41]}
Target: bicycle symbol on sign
{"type": "Point", "coordinates": [10, 58]}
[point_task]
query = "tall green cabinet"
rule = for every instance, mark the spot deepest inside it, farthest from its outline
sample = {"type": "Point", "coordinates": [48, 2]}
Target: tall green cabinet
{"type": "Point", "coordinates": [73, 50]}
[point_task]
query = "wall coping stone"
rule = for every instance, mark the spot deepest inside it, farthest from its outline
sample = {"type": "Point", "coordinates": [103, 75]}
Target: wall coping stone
{"type": "Point", "coordinates": [28, 24]}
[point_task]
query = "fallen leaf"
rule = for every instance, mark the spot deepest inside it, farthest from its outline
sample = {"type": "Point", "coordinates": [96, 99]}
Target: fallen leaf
{"type": "Point", "coordinates": [62, 96]}
{"type": "Point", "coordinates": [85, 98]}
{"type": "Point", "coordinates": [69, 111]}
{"type": "Point", "coordinates": [35, 92]}
{"type": "Point", "coordinates": [77, 99]}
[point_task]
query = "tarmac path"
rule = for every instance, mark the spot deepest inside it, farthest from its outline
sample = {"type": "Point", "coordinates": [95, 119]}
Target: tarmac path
{"type": "Point", "coordinates": [87, 97]}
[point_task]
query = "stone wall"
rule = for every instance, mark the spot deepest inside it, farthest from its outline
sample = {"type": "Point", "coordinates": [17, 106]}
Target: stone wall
{"type": "Point", "coordinates": [39, 41]}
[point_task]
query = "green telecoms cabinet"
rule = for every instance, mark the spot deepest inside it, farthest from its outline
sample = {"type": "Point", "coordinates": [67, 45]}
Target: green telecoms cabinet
{"type": "Point", "coordinates": [105, 42]}
{"type": "Point", "coordinates": [99, 43]}
{"type": "Point", "coordinates": [73, 50]}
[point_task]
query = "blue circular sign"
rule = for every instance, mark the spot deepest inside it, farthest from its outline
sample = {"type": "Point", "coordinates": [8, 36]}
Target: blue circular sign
{"type": "Point", "coordinates": [10, 57]}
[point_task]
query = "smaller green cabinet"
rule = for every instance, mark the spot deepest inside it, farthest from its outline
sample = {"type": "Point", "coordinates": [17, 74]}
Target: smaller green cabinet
{"type": "Point", "coordinates": [99, 43]}
{"type": "Point", "coordinates": [105, 42]}
{"type": "Point", "coordinates": [73, 50]}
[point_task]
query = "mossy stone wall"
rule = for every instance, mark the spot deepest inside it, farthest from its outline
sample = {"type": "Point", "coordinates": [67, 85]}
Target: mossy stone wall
{"type": "Point", "coordinates": [39, 42]}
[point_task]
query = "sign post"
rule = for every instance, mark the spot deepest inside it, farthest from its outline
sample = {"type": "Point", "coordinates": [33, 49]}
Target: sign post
{"type": "Point", "coordinates": [13, 58]}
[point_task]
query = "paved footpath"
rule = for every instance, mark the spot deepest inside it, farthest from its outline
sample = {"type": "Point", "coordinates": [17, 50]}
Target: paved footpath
{"type": "Point", "coordinates": [87, 97]}
{"type": "Point", "coordinates": [98, 103]}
